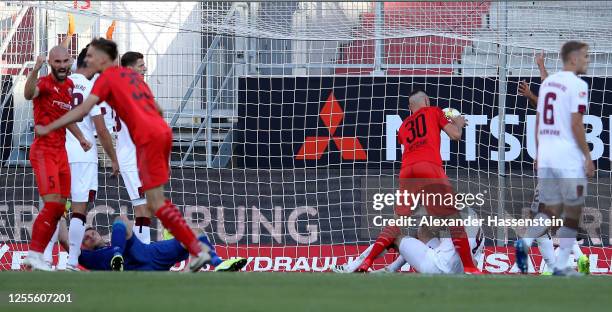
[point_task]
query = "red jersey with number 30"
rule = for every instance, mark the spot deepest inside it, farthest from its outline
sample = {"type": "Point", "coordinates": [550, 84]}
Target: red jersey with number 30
{"type": "Point", "coordinates": [420, 136]}
{"type": "Point", "coordinates": [53, 100]}
{"type": "Point", "coordinates": [127, 93]}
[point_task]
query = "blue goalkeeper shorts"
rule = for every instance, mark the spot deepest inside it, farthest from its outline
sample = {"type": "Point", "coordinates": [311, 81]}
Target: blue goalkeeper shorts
{"type": "Point", "coordinates": [156, 256]}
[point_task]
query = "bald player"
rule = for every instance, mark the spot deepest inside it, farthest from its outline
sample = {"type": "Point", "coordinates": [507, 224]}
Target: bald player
{"type": "Point", "coordinates": [52, 98]}
{"type": "Point", "coordinates": [132, 99]}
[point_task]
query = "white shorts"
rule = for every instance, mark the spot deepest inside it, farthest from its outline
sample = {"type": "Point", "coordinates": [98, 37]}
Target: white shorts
{"type": "Point", "coordinates": [84, 178]}
{"type": "Point", "coordinates": [132, 183]}
{"type": "Point", "coordinates": [439, 260]}
{"type": "Point", "coordinates": [562, 186]}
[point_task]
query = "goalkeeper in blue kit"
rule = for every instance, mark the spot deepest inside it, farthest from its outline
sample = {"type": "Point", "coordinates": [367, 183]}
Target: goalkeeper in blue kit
{"type": "Point", "coordinates": [126, 252]}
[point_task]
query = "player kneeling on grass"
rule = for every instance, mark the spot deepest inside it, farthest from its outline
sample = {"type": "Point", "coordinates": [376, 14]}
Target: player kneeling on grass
{"type": "Point", "coordinates": [126, 251]}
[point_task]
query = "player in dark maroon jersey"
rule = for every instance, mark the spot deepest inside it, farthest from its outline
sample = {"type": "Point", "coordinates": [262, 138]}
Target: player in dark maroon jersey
{"type": "Point", "coordinates": [52, 98]}
{"type": "Point", "coordinates": [422, 170]}
{"type": "Point", "coordinates": [127, 93]}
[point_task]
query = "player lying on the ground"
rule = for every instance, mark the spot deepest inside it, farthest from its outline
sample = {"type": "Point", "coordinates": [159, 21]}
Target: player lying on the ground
{"type": "Point", "coordinates": [126, 252]}
{"type": "Point", "coordinates": [428, 253]}
{"type": "Point", "coordinates": [125, 91]}
{"type": "Point", "coordinates": [422, 170]}
{"type": "Point", "coordinates": [544, 242]}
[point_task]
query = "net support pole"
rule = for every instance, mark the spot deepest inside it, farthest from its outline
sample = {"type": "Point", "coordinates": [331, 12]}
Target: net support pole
{"type": "Point", "coordinates": [378, 41]}
{"type": "Point", "coordinates": [503, 89]}
{"type": "Point", "coordinates": [40, 35]}
{"type": "Point", "coordinates": [209, 155]}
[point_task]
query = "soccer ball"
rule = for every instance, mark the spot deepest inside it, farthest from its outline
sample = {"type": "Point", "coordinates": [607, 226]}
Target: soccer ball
{"type": "Point", "coordinates": [450, 112]}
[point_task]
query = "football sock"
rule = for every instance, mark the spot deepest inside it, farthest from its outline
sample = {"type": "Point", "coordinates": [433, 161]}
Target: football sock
{"type": "Point", "coordinates": [462, 246]}
{"type": "Point", "coordinates": [45, 225]}
{"type": "Point", "coordinates": [576, 250]}
{"type": "Point", "coordinates": [547, 250]}
{"type": "Point", "coordinates": [76, 232]}
{"type": "Point", "coordinates": [142, 229]}
{"type": "Point", "coordinates": [48, 254]}
{"type": "Point", "coordinates": [534, 232]}
{"type": "Point", "coordinates": [396, 264]}
{"type": "Point", "coordinates": [384, 240]}
{"type": "Point", "coordinates": [351, 266]}
{"type": "Point", "coordinates": [172, 220]}
{"type": "Point", "coordinates": [567, 239]}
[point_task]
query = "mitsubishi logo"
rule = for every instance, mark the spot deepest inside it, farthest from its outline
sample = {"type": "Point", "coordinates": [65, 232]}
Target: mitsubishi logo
{"type": "Point", "coordinates": [314, 146]}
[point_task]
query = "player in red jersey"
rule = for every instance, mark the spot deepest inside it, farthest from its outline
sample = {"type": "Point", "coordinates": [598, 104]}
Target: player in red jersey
{"type": "Point", "coordinates": [127, 93]}
{"type": "Point", "coordinates": [51, 95]}
{"type": "Point", "coordinates": [422, 170]}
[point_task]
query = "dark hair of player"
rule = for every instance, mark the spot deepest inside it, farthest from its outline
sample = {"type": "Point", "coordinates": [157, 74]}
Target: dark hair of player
{"type": "Point", "coordinates": [89, 228]}
{"type": "Point", "coordinates": [130, 58]}
{"type": "Point", "coordinates": [81, 58]}
{"type": "Point", "coordinates": [570, 47]}
{"type": "Point", "coordinates": [107, 46]}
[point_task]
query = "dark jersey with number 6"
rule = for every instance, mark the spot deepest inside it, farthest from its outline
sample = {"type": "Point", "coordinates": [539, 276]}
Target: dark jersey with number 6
{"type": "Point", "coordinates": [420, 136]}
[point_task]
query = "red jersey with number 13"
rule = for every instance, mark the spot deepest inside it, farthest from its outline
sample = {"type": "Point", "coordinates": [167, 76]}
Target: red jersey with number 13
{"type": "Point", "coordinates": [127, 93]}
{"type": "Point", "coordinates": [420, 136]}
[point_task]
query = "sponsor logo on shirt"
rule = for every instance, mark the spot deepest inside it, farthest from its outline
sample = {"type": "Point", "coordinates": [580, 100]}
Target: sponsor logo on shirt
{"type": "Point", "coordinates": [62, 105]}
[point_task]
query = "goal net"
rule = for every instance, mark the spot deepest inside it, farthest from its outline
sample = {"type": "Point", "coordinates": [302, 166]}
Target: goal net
{"type": "Point", "coordinates": [285, 116]}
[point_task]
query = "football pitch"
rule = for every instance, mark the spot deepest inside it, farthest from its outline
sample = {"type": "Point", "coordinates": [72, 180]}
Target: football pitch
{"type": "Point", "coordinates": [173, 292]}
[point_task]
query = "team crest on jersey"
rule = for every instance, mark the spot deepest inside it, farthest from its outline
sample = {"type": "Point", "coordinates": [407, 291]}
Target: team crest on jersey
{"type": "Point", "coordinates": [582, 94]}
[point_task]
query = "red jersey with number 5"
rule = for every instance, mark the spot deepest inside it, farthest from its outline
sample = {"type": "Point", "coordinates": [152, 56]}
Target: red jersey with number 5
{"type": "Point", "coordinates": [127, 93]}
{"type": "Point", "coordinates": [420, 136]}
{"type": "Point", "coordinates": [53, 100]}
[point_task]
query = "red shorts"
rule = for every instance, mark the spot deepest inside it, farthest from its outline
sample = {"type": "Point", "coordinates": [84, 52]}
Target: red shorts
{"type": "Point", "coordinates": [154, 161]}
{"type": "Point", "coordinates": [51, 170]}
{"type": "Point", "coordinates": [426, 178]}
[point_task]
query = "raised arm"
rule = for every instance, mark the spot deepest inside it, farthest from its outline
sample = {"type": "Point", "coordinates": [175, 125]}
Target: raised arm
{"type": "Point", "coordinates": [540, 61]}
{"type": "Point", "coordinates": [31, 90]}
{"type": "Point", "coordinates": [76, 114]}
{"type": "Point", "coordinates": [454, 129]}
{"type": "Point", "coordinates": [66, 42]}
{"type": "Point", "coordinates": [111, 30]}
{"type": "Point", "coordinates": [523, 88]}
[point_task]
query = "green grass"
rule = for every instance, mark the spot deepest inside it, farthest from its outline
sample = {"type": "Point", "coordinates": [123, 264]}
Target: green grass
{"type": "Point", "coordinates": [219, 292]}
